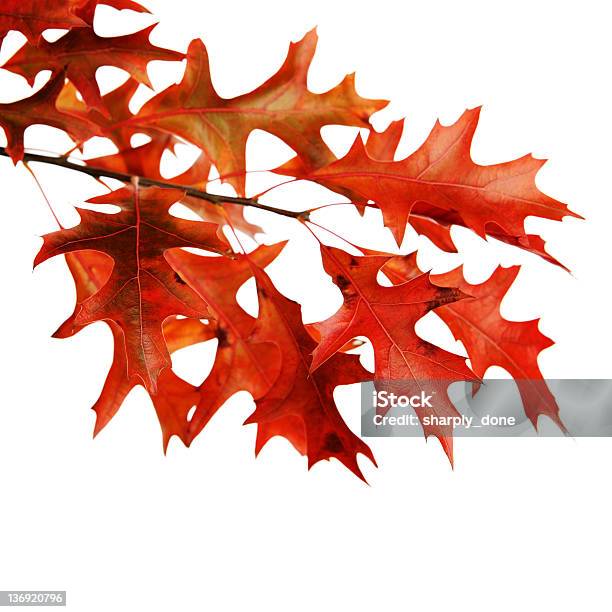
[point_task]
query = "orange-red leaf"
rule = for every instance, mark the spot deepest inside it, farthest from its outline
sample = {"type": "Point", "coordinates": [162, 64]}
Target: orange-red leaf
{"type": "Point", "coordinates": [491, 340]}
{"type": "Point", "coordinates": [40, 108]}
{"type": "Point", "coordinates": [300, 405]}
{"type": "Point", "coordinates": [174, 397]}
{"type": "Point", "coordinates": [81, 52]}
{"type": "Point", "coordinates": [387, 317]}
{"type": "Point", "coordinates": [282, 106]}
{"type": "Point", "coordinates": [143, 290]}
{"type": "Point", "coordinates": [241, 363]}
{"type": "Point", "coordinates": [441, 174]}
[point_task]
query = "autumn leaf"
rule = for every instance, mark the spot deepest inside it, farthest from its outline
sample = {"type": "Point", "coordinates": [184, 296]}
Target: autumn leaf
{"type": "Point", "coordinates": [442, 175]}
{"type": "Point", "coordinates": [81, 52]}
{"type": "Point", "coordinates": [387, 317]}
{"type": "Point", "coordinates": [491, 340]}
{"type": "Point", "coordinates": [143, 289]}
{"type": "Point", "coordinates": [40, 108]}
{"type": "Point", "coordinates": [174, 397]}
{"type": "Point", "coordinates": [427, 220]}
{"type": "Point", "coordinates": [241, 364]}
{"type": "Point", "coordinates": [282, 106]}
{"type": "Point", "coordinates": [300, 406]}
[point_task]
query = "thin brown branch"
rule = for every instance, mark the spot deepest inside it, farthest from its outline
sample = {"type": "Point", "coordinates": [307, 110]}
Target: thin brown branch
{"type": "Point", "coordinates": [149, 182]}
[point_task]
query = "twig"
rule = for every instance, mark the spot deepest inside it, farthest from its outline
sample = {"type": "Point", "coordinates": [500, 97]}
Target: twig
{"type": "Point", "coordinates": [44, 194]}
{"type": "Point", "coordinates": [149, 182]}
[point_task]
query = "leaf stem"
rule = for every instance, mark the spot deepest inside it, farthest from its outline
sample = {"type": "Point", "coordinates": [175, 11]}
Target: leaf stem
{"type": "Point", "coordinates": [43, 193]}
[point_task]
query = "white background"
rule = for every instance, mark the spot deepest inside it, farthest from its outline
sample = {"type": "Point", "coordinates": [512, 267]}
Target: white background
{"type": "Point", "coordinates": [518, 523]}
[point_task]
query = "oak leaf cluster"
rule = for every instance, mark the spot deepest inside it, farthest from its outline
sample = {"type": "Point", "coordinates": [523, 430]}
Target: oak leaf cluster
{"type": "Point", "coordinates": [136, 269]}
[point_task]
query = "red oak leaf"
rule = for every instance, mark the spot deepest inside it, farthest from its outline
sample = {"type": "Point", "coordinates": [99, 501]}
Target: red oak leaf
{"type": "Point", "coordinates": [427, 220]}
{"type": "Point", "coordinates": [81, 52]}
{"type": "Point", "coordinates": [241, 364]}
{"type": "Point", "coordinates": [387, 317]}
{"type": "Point", "coordinates": [174, 397]}
{"type": "Point", "coordinates": [490, 340]}
{"type": "Point", "coordinates": [143, 290]}
{"type": "Point", "coordinates": [40, 108]}
{"type": "Point", "coordinates": [442, 175]}
{"type": "Point", "coordinates": [300, 405]}
{"type": "Point", "coordinates": [282, 106]}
